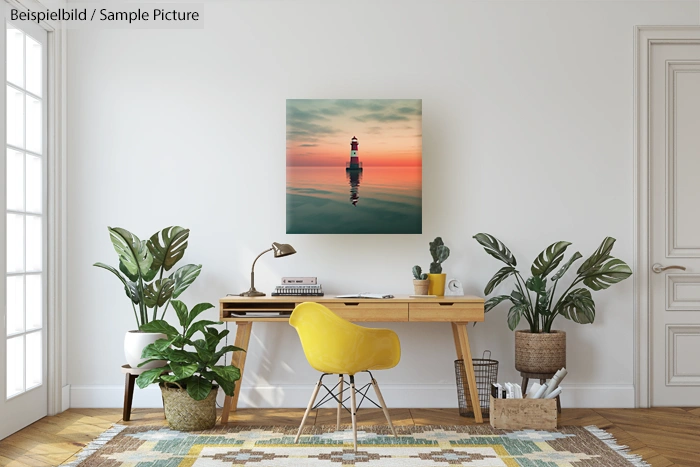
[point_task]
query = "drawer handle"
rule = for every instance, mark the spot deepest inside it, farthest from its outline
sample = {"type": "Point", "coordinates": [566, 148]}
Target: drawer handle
{"type": "Point", "coordinates": [446, 304]}
{"type": "Point", "coordinates": [352, 303]}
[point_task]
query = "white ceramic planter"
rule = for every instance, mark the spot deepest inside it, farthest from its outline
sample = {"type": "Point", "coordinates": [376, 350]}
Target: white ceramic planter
{"type": "Point", "coordinates": [134, 343]}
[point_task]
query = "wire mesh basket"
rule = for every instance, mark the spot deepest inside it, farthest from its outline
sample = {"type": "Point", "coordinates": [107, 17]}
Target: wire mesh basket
{"type": "Point", "coordinates": [486, 372]}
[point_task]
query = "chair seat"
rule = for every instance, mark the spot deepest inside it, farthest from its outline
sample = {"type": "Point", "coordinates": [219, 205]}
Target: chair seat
{"type": "Point", "coordinates": [334, 345]}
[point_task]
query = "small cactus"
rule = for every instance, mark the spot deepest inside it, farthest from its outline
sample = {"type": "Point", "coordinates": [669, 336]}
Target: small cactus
{"type": "Point", "coordinates": [418, 273]}
{"type": "Point", "coordinates": [440, 253]}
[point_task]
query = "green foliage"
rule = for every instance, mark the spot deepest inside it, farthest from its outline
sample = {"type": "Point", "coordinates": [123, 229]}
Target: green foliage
{"type": "Point", "coordinates": [194, 368]}
{"type": "Point", "coordinates": [140, 261]}
{"type": "Point", "coordinates": [418, 274]}
{"type": "Point", "coordinates": [533, 299]}
{"type": "Point", "coordinates": [440, 253]}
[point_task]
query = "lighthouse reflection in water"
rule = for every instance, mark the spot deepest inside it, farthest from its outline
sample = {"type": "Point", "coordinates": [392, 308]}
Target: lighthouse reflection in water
{"type": "Point", "coordinates": [354, 178]}
{"type": "Point", "coordinates": [376, 189]}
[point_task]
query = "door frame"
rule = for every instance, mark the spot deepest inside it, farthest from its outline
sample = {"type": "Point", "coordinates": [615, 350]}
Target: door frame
{"type": "Point", "coordinates": [645, 37]}
{"type": "Point", "coordinates": [58, 394]}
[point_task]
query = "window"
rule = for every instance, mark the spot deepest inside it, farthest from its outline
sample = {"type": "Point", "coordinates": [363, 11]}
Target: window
{"type": "Point", "coordinates": [25, 211]}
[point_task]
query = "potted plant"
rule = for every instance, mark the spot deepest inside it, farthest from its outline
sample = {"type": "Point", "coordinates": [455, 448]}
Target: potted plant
{"type": "Point", "coordinates": [190, 379]}
{"type": "Point", "coordinates": [143, 264]}
{"type": "Point", "coordinates": [540, 349]}
{"type": "Point", "coordinates": [440, 253]}
{"type": "Point", "coordinates": [420, 281]}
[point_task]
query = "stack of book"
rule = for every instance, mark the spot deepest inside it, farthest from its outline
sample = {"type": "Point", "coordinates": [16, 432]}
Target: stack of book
{"type": "Point", "coordinates": [299, 287]}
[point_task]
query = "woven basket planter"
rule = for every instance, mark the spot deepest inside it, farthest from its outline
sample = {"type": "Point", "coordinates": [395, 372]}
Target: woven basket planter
{"type": "Point", "coordinates": [540, 352]}
{"type": "Point", "coordinates": [186, 414]}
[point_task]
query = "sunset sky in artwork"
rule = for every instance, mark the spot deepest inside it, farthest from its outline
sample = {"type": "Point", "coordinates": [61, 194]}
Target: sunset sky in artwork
{"type": "Point", "coordinates": [319, 131]}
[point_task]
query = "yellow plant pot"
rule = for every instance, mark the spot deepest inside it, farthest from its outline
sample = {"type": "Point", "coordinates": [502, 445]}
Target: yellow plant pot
{"type": "Point", "coordinates": [437, 284]}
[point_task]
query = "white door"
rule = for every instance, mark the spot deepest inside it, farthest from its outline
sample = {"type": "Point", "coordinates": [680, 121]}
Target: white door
{"type": "Point", "coordinates": [23, 393]}
{"type": "Point", "coordinates": [674, 153]}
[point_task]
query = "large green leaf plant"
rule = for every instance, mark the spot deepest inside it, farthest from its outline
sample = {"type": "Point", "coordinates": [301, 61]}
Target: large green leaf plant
{"type": "Point", "coordinates": [535, 298]}
{"type": "Point", "coordinates": [143, 264]}
{"type": "Point", "coordinates": [192, 363]}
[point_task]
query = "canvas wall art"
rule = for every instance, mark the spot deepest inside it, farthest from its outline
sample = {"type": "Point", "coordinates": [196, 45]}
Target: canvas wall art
{"type": "Point", "coordinates": [354, 166]}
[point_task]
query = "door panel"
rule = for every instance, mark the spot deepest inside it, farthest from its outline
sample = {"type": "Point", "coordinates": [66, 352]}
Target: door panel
{"type": "Point", "coordinates": [674, 139]}
{"type": "Point", "coordinates": [683, 292]}
{"type": "Point", "coordinates": [683, 87]}
{"type": "Point", "coordinates": [683, 366]}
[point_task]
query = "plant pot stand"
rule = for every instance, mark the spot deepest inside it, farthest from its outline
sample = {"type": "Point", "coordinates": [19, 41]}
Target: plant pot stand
{"type": "Point", "coordinates": [131, 375]}
{"type": "Point", "coordinates": [543, 377]}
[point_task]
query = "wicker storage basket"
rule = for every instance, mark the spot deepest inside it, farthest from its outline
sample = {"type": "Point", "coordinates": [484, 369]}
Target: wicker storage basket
{"type": "Point", "coordinates": [186, 414]}
{"type": "Point", "coordinates": [540, 352]}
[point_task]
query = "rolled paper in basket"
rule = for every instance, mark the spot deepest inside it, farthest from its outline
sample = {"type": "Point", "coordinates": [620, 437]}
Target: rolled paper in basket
{"type": "Point", "coordinates": [533, 390]}
{"type": "Point", "coordinates": [555, 381]}
{"type": "Point", "coordinates": [540, 392]}
{"type": "Point", "coordinates": [553, 394]}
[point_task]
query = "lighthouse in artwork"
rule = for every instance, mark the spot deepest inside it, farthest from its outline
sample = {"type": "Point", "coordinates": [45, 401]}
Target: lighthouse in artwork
{"type": "Point", "coordinates": [354, 163]}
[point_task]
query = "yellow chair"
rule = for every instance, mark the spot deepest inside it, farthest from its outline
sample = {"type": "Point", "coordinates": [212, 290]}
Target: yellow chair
{"type": "Point", "coordinates": [335, 346]}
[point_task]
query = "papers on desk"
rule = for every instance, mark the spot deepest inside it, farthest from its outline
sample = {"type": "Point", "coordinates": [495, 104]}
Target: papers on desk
{"type": "Point", "coordinates": [366, 295]}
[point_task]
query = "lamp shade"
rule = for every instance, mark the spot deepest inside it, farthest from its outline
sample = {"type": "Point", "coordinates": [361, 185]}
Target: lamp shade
{"type": "Point", "coordinates": [282, 249]}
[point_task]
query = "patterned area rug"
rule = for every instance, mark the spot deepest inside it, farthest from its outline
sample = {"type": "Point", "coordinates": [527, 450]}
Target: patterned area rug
{"type": "Point", "coordinates": [151, 446]}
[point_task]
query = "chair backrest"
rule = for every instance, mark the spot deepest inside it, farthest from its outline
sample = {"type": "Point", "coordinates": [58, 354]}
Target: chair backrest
{"type": "Point", "coordinates": [334, 345]}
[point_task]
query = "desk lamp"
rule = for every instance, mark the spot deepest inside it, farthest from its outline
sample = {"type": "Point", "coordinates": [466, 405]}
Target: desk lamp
{"type": "Point", "coordinates": [280, 250]}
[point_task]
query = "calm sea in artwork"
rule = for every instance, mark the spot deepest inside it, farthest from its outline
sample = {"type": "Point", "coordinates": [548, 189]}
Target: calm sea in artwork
{"type": "Point", "coordinates": [332, 200]}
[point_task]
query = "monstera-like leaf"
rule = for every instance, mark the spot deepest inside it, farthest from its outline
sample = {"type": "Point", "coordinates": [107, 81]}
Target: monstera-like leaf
{"type": "Point", "coordinates": [168, 247]}
{"type": "Point", "coordinates": [549, 259]}
{"type": "Point", "coordinates": [129, 287]}
{"type": "Point", "coordinates": [184, 276]}
{"type": "Point", "coordinates": [134, 256]}
{"type": "Point", "coordinates": [492, 302]}
{"type": "Point", "coordinates": [496, 248]}
{"type": "Point", "coordinates": [514, 315]}
{"type": "Point", "coordinates": [501, 275]}
{"type": "Point", "coordinates": [598, 256]}
{"type": "Point", "coordinates": [560, 273]}
{"type": "Point", "coordinates": [578, 306]}
{"type": "Point", "coordinates": [610, 272]}
{"type": "Point", "coordinates": [158, 292]}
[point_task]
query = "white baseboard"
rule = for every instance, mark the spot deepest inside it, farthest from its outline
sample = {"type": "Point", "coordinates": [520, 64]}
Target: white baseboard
{"type": "Point", "coordinates": [396, 395]}
{"type": "Point", "coordinates": [65, 398]}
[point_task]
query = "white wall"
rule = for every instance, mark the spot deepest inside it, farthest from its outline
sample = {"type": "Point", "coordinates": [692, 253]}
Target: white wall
{"type": "Point", "coordinates": [527, 134]}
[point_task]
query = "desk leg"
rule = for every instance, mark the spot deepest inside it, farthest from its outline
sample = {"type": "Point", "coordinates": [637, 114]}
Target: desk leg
{"type": "Point", "coordinates": [466, 353]}
{"type": "Point", "coordinates": [238, 359]}
{"type": "Point", "coordinates": [458, 346]}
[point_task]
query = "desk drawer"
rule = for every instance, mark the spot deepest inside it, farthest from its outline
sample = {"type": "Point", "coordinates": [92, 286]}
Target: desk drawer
{"type": "Point", "coordinates": [446, 311]}
{"type": "Point", "coordinates": [360, 311]}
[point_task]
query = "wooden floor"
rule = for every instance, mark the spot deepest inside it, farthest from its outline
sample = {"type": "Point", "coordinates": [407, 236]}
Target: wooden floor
{"type": "Point", "coordinates": [662, 436]}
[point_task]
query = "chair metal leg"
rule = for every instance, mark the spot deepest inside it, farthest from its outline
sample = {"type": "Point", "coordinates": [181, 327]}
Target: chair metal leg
{"type": "Point", "coordinates": [308, 409]}
{"type": "Point", "coordinates": [340, 401]}
{"type": "Point", "coordinates": [384, 408]}
{"type": "Point", "coordinates": [353, 411]}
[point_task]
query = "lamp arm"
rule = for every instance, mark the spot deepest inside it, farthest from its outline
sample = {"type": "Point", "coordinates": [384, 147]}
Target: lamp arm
{"type": "Point", "coordinates": [252, 268]}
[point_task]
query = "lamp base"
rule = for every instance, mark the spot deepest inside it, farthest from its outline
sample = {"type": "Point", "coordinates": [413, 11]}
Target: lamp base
{"type": "Point", "coordinates": [252, 293]}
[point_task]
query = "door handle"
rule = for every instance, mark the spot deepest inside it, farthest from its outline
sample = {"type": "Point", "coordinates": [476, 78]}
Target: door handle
{"type": "Point", "coordinates": [657, 268]}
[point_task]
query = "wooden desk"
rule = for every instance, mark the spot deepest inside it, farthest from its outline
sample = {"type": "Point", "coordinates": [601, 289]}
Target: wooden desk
{"type": "Point", "coordinates": [459, 311]}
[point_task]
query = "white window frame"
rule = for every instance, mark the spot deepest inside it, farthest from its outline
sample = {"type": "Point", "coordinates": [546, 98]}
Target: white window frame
{"type": "Point", "coordinates": [55, 215]}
